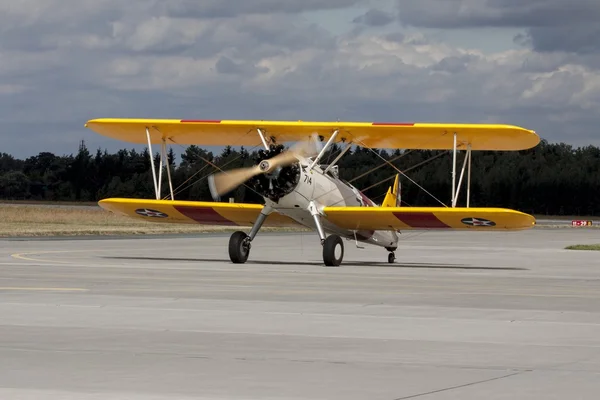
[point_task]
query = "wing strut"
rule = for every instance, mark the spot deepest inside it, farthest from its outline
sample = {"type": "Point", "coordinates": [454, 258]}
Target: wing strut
{"type": "Point", "coordinates": [164, 151]}
{"type": "Point", "coordinates": [164, 160]}
{"type": "Point", "coordinates": [454, 172]}
{"type": "Point", "coordinates": [469, 176]}
{"type": "Point", "coordinates": [324, 149]}
{"type": "Point", "coordinates": [156, 191]}
{"type": "Point", "coordinates": [262, 138]}
{"type": "Point", "coordinates": [338, 157]}
{"type": "Point", "coordinates": [466, 162]}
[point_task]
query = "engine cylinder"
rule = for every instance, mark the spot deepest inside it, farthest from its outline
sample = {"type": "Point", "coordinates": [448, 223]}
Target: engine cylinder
{"type": "Point", "coordinates": [279, 182]}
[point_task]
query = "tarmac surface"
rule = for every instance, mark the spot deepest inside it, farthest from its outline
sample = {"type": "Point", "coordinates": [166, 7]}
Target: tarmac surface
{"type": "Point", "coordinates": [459, 316]}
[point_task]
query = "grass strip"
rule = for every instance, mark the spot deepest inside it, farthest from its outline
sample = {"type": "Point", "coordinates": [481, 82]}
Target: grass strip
{"type": "Point", "coordinates": [584, 247]}
{"type": "Point", "coordinates": [33, 221]}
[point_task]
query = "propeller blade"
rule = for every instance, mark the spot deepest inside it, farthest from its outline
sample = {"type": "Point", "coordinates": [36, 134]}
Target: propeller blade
{"type": "Point", "coordinates": [224, 182]}
{"type": "Point", "coordinates": [300, 150]}
{"type": "Point", "coordinates": [281, 160]}
{"type": "Point", "coordinates": [318, 144]}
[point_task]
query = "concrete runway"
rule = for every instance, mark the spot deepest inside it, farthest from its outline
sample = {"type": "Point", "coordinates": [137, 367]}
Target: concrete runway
{"type": "Point", "coordinates": [459, 316]}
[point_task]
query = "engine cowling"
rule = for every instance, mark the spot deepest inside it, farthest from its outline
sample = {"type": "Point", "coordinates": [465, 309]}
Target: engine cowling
{"type": "Point", "coordinates": [279, 182]}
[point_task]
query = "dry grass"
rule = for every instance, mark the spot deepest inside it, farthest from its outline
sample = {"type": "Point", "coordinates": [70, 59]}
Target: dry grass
{"type": "Point", "coordinates": [49, 203]}
{"type": "Point", "coordinates": [50, 220]}
{"type": "Point", "coordinates": [584, 247]}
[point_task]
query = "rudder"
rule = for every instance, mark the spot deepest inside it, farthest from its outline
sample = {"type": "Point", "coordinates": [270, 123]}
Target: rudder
{"type": "Point", "coordinates": [393, 196]}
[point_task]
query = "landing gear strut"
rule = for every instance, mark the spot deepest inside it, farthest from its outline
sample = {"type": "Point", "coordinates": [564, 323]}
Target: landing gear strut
{"type": "Point", "coordinates": [333, 247]}
{"type": "Point", "coordinates": [239, 242]}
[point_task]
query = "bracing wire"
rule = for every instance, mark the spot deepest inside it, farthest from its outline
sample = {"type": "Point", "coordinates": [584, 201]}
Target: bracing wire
{"type": "Point", "coordinates": [389, 178]}
{"type": "Point", "coordinates": [403, 174]}
{"type": "Point", "coordinates": [408, 170]}
{"type": "Point", "coordinates": [178, 189]}
{"type": "Point", "coordinates": [214, 166]}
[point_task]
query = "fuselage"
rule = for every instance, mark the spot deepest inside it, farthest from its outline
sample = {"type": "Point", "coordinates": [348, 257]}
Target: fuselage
{"type": "Point", "coordinates": [326, 189]}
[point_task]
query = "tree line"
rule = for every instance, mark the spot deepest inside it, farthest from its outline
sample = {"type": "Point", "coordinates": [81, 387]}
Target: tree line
{"type": "Point", "coordinates": [550, 179]}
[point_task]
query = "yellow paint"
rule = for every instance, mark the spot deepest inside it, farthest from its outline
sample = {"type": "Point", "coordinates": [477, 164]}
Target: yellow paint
{"type": "Point", "coordinates": [391, 197]}
{"type": "Point", "coordinates": [370, 218]}
{"type": "Point", "coordinates": [236, 213]}
{"type": "Point", "coordinates": [379, 218]}
{"type": "Point", "coordinates": [435, 136]}
{"type": "Point", "coordinates": [24, 256]}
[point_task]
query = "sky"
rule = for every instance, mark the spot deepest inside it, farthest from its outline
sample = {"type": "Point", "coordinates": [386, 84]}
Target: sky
{"type": "Point", "coordinates": [532, 63]}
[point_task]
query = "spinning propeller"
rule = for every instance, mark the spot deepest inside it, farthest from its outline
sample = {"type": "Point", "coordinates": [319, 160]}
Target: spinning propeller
{"type": "Point", "coordinates": [224, 182]}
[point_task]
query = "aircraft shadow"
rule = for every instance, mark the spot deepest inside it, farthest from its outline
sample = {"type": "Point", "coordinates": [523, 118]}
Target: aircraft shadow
{"type": "Point", "coordinates": [315, 263]}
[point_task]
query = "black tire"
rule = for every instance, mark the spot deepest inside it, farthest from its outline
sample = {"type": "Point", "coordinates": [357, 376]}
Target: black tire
{"type": "Point", "coordinates": [239, 247]}
{"type": "Point", "coordinates": [391, 258]}
{"type": "Point", "coordinates": [329, 248]}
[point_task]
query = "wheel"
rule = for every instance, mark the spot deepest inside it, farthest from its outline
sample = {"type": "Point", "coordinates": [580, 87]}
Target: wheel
{"type": "Point", "coordinates": [333, 251]}
{"type": "Point", "coordinates": [391, 258]}
{"type": "Point", "coordinates": [239, 247]}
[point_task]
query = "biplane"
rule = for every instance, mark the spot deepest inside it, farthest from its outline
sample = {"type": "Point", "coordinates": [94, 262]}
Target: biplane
{"type": "Point", "coordinates": [300, 190]}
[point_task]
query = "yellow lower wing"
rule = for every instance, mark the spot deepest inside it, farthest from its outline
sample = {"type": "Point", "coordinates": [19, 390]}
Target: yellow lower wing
{"type": "Point", "coordinates": [406, 218]}
{"type": "Point", "coordinates": [194, 212]}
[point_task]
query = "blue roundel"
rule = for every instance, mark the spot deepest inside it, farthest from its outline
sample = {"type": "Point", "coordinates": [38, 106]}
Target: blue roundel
{"type": "Point", "coordinates": [477, 222]}
{"type": "Point", "coordinates": [146, 212]}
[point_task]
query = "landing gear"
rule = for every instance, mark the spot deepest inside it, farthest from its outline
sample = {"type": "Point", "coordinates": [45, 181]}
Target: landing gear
{"type": "Point", "coordinates": [239, 247]}
{"type": "Point", "coordinates": [333, 251]}
{"type": "Point", "coordinates": [391, 255]}
{"type": "Point", "coordinates": [333, 247]}
{"type": "Point", "coordinates": [239, 242]}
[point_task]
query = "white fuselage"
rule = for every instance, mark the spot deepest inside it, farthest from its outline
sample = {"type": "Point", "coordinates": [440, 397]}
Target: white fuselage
{"type": "Point", "coordinates": [327, 190]}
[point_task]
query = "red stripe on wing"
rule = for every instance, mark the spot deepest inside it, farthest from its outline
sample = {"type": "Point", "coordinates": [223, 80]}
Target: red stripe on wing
{"type": "Point", "coordinates": [420, 220]}
{"type": "Point", "coordinates": [393, 123]}
{"type": "Point", "coordinates": [204, 215]}
{"type": "Point", "coordinates": [206, 121]}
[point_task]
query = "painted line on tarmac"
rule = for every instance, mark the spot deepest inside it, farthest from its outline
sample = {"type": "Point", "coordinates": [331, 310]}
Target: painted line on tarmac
{"type": "Point", "coordinates": [43, 289]}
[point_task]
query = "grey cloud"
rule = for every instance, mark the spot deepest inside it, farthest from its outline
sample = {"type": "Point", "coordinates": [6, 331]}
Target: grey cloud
{"type": "Point", "coordinates": [551, 25]}
{"type": "Point", "coordinates": [453, 64]}
{"type": "Point", "coordinates": [232, 8]}
{"type": "Point", "coordinates": [155, 26]}
{"type": "Point", "coordinates": [375, 17]}
{"type": "Point", "coordinates": [498, 13]}
{"type": "Point", "coordinates": [395, 37]}
{"type": "Point", "coordinates": [225, 65]}
{"type": "Point", "coordinates": [271, 67]}
{"type": "Point", "coordinates": [543, 62]}
{"type": "Point", "coordinates": [283, 33]}
{"type": "Point", "coordinates": [582, 39]}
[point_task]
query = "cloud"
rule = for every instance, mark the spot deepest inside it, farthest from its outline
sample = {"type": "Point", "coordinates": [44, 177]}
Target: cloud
{"type": "Point", "coordinates": [551, 25]}
{"type": "Point", "coordinates": [375, 17]}
{"type": "Point", "coordinates": [267, 60]}
{"type": "Point", "coordinates": [232, 8]}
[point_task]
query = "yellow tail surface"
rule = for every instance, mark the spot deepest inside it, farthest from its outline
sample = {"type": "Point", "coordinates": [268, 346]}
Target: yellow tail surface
{"type": "Point", "coordinates": [392, 197]}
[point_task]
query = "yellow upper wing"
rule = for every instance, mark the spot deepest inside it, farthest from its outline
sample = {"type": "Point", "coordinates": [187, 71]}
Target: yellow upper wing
{"type": "Point", "coordinates": [194, 212]}
{"type": "Point", "coordinates": [388, 135]}
{"type": "Point", "coordinates": [407, 218]}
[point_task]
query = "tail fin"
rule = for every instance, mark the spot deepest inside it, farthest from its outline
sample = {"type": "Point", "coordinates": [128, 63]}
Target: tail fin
{"type": "Point", "coordinates": [394, 195]}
